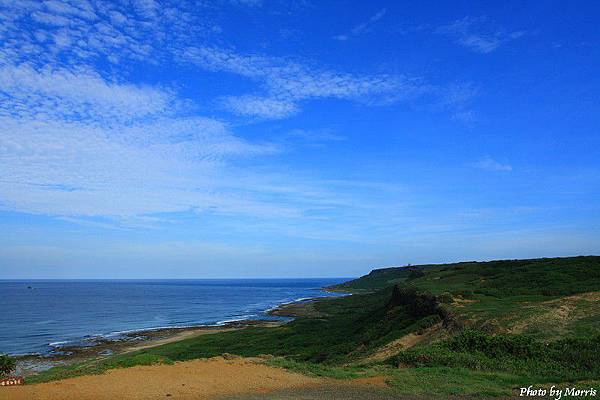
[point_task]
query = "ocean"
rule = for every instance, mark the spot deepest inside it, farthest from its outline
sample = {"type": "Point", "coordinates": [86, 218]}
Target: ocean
{"type": "Point", "coordinates": [41, 316]}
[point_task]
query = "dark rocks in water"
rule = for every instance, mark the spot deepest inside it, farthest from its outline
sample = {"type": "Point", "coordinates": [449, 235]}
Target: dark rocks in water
{"type": "Point", "coordinates": [29, 287]}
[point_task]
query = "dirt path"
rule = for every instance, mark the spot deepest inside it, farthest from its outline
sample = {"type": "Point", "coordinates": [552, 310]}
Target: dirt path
{"type": "Point", "coordinates": [175, 338]}
{"type": "Point", "coordinates": [403, 343]}
{"type": "Point", "coordinates": [197, 379]}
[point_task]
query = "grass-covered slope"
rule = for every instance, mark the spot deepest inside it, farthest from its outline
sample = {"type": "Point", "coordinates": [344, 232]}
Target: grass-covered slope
{"type": "Point", "coordinates": [548, 297]}
{"type": "Point", "coordinates": [465, 328]}
{"type": "Point", "coordinates": [376, 279]}
{"type": "Point", "coordinates": [542, 276]}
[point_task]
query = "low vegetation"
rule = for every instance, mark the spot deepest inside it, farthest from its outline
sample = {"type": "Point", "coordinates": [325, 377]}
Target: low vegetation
{"type": "Point", "coordinates": [478, 329]}
{"type": "Point", "coordinates": [566, 360]}
{"type": "Point", "coordinates": [7, 365]}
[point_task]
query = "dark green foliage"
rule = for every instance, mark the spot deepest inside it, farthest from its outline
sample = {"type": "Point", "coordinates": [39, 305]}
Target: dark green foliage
{"type": "Point", "coordinates": [567, 359]}
{"type": "Point", "coordinates": [418, 304]}
{"type": "Point", "coordinates": [495, 346]}
{"type": "Point", "coordinates": [7, 364]}
{"type": "Point", "coordinates": [445, 298]}
{"type": "Point", "coordinates": [415, 272]}
{"type": "Point", "coordinates": [426, 322]}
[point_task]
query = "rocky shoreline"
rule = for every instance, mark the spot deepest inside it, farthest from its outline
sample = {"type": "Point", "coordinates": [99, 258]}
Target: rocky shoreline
{"type": "Point", "coordinates": [99, 347]}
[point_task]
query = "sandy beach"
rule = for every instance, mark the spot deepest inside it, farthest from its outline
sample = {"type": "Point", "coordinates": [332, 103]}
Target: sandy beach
{"type": "Point", "coordinates": [198, 379]}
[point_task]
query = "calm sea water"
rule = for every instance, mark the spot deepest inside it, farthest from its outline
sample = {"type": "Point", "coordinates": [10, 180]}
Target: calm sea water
{"type": "Point", "coordinates": [39, 316]}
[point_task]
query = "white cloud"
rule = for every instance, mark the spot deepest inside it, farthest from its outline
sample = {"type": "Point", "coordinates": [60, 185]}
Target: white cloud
{"type": "Point", "coordinates": [250, 3]}
{"type": "Point", "coordinates": [77, 169]}
{"type": "Point", "coordinates": [478, 35]}
{"type": "Point", "coordinates": [363, 27]}
{"type": "Point", "coordinates": [81, 9]}
{"type": "Point", "coordinates": [262, 107]}
{"type": "Point", "coordinates": [466, 117]}
{"type": "Point", "coordinates": [50, 19]}
{"type": "Point", "coordinates": [288, 82]}
{"type": "Point", "coordinates": [74, 144]}
{"type": "Point", "coordinates": [75, 94]}
{"type": "Point", "coordinates": [489, 164]}
{"type": "Point", "coordinates": [314, 136]}
{"type": "Point", "coordinates": [146, 8]}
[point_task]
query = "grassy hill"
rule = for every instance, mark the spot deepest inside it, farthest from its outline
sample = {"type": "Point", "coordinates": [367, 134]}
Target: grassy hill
{"type": "Point", "coordinates": [454, 329]}
{"type": "Point", "coordinates": [547, 297]}
{"type": "Point", "coordinates": [546, 276]}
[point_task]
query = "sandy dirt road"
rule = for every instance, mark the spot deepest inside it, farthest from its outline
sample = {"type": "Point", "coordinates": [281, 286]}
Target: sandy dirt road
{"type": "Point", "coordinates": [197, 379]}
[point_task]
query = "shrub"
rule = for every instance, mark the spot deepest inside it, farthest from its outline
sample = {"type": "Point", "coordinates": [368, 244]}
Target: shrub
{"type": "Point", "coordinates": [496, 346]}
{"type": "Point", "coordinates": [566, 359]}
{"type": "Point", "coordinates": [418, 304]}
{"type": "Point", "coordinates": [445, 298]}
{"type": "Point", "coordinates": [7, 364]}
{"type": "Point", "coordinates": [415, 272]}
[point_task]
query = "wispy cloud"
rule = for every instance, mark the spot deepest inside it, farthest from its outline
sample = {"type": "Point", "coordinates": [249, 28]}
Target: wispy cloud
{"type": "Point", "coordinates": [466, 116]}
{"type": "Point", "coordinates": [80, 140]}
{"type": "Point", "coordinates": [78, 169]}
{"type": "Point", "coordinates": [123, 152]}
{"type": "Point", "coordinates": [478, 34]}
{"type": "Point", "coordinates": [489, 164]}
{"type": "Point", "coordinates": [298, 139]}
{"type": "Point", "coordinates": [363, 27]}
{"type": "Point", "coordinates": [75, 35]}
{"type": "Point", "coordinates": [262, 107]}
{"type": "Point", "coordinates": [287, 82]}
{"type": "Point", "coordinates": [75, 144]}
{"type": "Point", "coordinates": [315, 136]}
{"type": "Point", "coordinates": [27, 91]}
{"type": "Point", "coordinates": [250, 3]}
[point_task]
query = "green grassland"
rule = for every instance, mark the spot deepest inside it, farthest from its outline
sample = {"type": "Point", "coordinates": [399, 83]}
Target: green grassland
{"type": "Point", "coordinates": [543, 297]}
{"type": "Point", "coordinates": [479, 329]}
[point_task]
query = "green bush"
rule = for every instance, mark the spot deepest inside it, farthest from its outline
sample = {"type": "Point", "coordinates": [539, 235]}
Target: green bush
{"type": "Point", "coordinates": [418, 304]}
{"type": "Point", "coordinates": [415, 272]}
{"type": "Point", "coordinates": [495, 346]}
{"type": "Point", "coordinates": [567, 359]}
{"type": "Point", "coordinates": [7, 364]}
{"type": "Point", "coordinates": [445, 298]}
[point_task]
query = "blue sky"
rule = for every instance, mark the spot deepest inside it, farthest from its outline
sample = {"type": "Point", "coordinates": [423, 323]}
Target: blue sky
{"type": "Point", "coordinates": [249, 138]}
